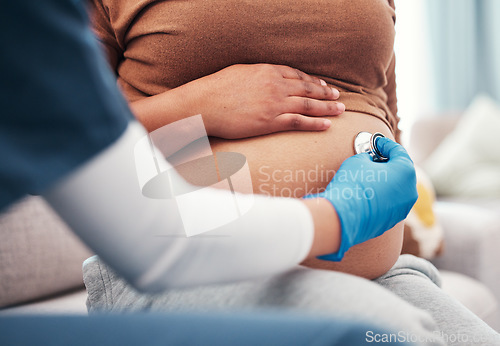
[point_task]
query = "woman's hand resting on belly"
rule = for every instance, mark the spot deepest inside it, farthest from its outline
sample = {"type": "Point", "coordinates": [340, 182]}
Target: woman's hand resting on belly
{"type": "Point", "coordinates": [242, 101]}
{"type": "Point", "coordinates": [292, 164]}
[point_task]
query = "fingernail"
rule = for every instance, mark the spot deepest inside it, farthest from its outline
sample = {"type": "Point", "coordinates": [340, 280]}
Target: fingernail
{"type": "Point", "coordinates": [341, 107]}
{"type": "Point", "coordinates": [322, 82]}
{"type": "Point", "coordinates": [327, 123]}
{"type": "Point", "coordinates": [336, 93]}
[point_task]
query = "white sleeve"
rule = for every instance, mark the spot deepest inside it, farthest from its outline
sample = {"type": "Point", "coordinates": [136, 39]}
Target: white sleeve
{"type": "Point", "coordinates": [144, 239]}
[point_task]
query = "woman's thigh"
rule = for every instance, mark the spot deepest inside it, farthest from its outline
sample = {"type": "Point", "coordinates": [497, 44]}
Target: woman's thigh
{"type": "Point", "coordinates": [303, 290]}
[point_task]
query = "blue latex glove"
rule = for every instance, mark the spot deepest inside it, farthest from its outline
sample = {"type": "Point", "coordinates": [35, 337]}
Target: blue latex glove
{"type": "Point", "coordinates": [371, 197]}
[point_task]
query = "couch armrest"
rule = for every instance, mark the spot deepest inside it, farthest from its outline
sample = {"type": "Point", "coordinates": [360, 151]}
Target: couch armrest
{"type": "Point", "coordinates": [472, 242]}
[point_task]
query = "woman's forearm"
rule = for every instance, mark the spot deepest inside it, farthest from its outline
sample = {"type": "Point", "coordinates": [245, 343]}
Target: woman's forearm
{"type": "Point", "coordinates": [162, 109]}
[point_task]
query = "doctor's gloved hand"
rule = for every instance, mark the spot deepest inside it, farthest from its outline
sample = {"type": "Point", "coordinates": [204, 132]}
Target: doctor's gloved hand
{"type": "Point", "coordinates": [371, 197]}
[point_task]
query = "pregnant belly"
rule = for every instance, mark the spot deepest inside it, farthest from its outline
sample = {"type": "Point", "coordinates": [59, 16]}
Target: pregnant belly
{"type": "Point", "coordinates": [292, 164]}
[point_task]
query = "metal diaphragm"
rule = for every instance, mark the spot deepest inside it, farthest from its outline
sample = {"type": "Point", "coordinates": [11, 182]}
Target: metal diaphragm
{"type": "Point", "coordinates": [366, 142]}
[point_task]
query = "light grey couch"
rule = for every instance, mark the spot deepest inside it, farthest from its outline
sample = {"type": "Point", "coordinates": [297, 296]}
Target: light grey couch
{"type": "Point", "coordinates": [40, 262]}
{"type": "Point", "coordinates": [40, 259]}
{"type": "Point", "coordinates": [471, 227]}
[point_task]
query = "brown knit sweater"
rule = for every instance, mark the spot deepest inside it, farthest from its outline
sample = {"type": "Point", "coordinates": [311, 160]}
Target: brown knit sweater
{"type": "Point", "coordinates": [157, 45]}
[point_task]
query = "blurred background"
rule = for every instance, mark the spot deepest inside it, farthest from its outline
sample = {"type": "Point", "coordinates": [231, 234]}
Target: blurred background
{"type": "Point", "coordinates": [448, 76]}
{"type": "Point", "coordinates": [447, 51]}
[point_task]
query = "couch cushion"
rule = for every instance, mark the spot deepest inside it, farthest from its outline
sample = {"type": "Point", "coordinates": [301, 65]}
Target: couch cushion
{"type": "Point", "coordinates": [39, 256]}
{"type": "Point", "coordinates": [472, 236]}
{"type": "Point", "coordinates": [466, 163]}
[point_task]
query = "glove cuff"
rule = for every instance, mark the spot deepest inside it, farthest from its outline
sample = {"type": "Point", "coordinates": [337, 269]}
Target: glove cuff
{"type": "Point", "coordinates": [345, 239]}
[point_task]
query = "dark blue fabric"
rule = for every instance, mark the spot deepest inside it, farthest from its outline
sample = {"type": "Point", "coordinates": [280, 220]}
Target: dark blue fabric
{"type": "Point", "coordinates": [183, 329]}
{"type": "Point", "coordinates": [59, 103]}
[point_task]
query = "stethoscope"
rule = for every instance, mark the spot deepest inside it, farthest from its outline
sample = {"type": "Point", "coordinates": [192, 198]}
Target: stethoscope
{"type": "Point", "coordinates": [366, 142]}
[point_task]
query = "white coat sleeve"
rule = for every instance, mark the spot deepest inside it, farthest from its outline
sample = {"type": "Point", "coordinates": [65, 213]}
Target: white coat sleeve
{"type": "Point", "coordinates": [144, 239]}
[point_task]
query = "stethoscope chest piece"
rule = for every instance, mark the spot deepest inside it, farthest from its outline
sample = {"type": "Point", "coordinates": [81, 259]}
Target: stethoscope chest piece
{"type": "Point", "coordinates": [365, 142]}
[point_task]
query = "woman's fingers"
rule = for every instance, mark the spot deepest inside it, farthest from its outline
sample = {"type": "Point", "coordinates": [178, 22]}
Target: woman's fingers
{"type": "Point", "coordinates": [292, 73]}
{"type": "Point", "coordinates": [299, 122]}
{"type": "Point", "coordinates": [303, 88]}
{"type": "Point", "coordinates": [312, 107]}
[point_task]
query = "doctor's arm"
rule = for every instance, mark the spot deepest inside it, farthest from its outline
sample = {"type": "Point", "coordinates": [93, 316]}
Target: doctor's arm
{"type": "Point", "coordinates": [144, 239]}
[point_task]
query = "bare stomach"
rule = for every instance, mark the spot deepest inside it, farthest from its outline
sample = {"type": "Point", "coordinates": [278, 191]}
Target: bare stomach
{"type": "Point", "coordinates": [292, 164]}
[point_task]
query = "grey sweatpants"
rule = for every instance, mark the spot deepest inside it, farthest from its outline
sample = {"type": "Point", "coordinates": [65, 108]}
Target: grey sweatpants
{"type": "Point", "coordinates": [406, 301]}
{"type": "Point", "coordinates": [409, 279]}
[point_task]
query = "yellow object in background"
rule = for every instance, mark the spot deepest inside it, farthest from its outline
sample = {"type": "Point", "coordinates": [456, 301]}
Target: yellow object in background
{"type": "Point", "coordinates": [423, 207]}
{"type": "Point", "coordinates": [423, 235]}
